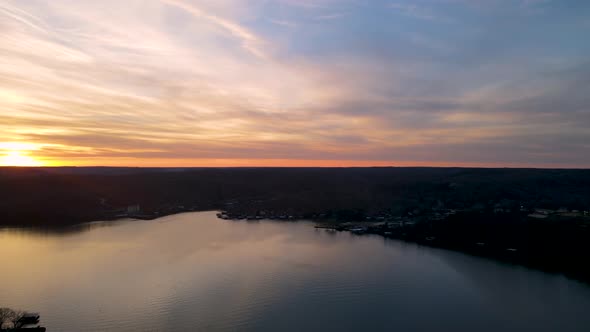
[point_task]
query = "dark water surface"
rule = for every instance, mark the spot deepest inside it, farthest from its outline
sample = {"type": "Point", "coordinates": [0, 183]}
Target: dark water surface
{"type": "Point", "coordinates": [193, 272]}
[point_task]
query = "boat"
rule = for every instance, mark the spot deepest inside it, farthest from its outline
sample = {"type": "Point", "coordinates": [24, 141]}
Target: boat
{"type": "Point", "coordinates": [29, 318]}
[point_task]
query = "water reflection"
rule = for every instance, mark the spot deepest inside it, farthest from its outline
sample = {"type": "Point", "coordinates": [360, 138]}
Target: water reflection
{"type": "Point", "coordinates": [62, 230]}
{"type": "Point", "coordinates": [195, 272]}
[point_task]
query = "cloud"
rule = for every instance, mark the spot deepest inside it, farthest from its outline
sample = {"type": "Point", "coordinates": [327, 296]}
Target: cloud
{"type": "Point", "coordinates": [182, 82]}
{"type": "Point", "coordinates": [414, 11]}
{"type": "Point", "coordinates": [283, 23]}
{"type": "Point", "coordinates": [249, 40]}
{"type": "Point", "coordinates": [331, 16]}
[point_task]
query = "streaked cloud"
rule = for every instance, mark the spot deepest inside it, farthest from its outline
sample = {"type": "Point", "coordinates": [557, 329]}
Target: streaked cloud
{"type": "Point", "coordinates": [186, 82]}
{"type": "Point", "coordinates": [249, 41]}
{"type": "Point", "coordinates": [414, 10]}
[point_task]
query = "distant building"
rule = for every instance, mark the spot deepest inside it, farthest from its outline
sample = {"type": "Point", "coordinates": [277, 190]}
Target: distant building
{"type": "Point", "coordinates": [538, 215]}
{"type": "Point", "coordinates": [543, 211]}
{"type": "Point", "coordinates": [133, 209]}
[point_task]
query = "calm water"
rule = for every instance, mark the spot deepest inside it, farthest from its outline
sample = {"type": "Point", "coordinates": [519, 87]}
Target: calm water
{"type": "Point", "coordinates": [193, 272]}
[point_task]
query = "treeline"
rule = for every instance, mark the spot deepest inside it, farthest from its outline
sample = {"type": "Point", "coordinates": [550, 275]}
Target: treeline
{"type": "Point", "coordinates": [555, 244]}
{"type": "Point", "coordinates": [63, 196]}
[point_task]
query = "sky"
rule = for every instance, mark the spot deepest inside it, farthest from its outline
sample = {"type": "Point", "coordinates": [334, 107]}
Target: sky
{"type": "Point", "coordinates": [488, 83]}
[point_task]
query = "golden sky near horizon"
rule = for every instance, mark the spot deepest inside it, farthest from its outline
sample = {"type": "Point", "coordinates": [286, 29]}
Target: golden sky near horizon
{"type": "Point", "coordinates": [294, 83]}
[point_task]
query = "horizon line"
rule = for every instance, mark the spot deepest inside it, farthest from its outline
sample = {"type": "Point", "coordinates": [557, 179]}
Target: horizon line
{"type": "Point", "coordinates": [300, 167]}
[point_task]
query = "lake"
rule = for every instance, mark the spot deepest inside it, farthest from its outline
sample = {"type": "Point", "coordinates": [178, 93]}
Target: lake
{"type": "Point", "coordinates": [194, 272]}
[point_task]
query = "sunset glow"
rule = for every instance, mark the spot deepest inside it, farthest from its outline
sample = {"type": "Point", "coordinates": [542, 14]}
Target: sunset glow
{"type": "Point", "coordinates": [294, 83]}
{"type": "Point", "coordinates": [17, 158]}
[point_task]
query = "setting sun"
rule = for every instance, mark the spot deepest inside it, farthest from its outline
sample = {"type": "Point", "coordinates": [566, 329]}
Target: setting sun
{"type": "Point", "coordinates": [18, 158]}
